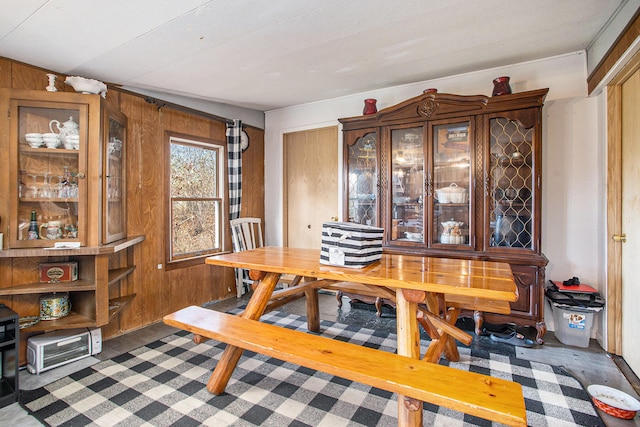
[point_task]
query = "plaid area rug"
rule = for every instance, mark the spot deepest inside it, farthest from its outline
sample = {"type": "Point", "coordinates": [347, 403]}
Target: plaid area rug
{"type": "Point", "coordinates": [164, 384]}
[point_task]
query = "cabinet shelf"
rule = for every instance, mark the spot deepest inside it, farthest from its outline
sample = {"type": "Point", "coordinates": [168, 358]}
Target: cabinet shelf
{"type": "Point", "coordinates": [117, 304]}
{"type": "Point", "coordinates": [120, 273]}
{"type": "Point", "coordinates": [510, 204]}
{"type": "Point", "coordinates": [7, 338]}
{"type": "Point", "coordinates": [510, 161]}
{"type": "Point", "coordinates": [71, 321]}
{"type": "Point", "coordinates": [45, 288]}
{"type": "Point", "coordinates": [452, 205]}
{"type": "Point", "coordinates": [83, 250]}
{"type": "Point", "coordinates": [48, 151]}
{"type": "Point", "coordinates": [48, 199]}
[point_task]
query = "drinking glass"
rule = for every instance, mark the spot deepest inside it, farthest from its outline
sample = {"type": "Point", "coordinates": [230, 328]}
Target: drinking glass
{"type": "Point", "coordinates": [48, 190]}
{"type": "Point", "coordinates": [33, 189]}
{"type": "Point", "coordinates": [63, 191]}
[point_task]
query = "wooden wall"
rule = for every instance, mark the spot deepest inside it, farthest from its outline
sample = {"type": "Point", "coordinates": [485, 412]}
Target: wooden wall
{"type": "Point", "coordinates": [159, 291]}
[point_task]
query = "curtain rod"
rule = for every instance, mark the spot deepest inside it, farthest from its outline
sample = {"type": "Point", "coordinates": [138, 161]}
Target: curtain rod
{"type": "Point", "coordinates": [161, 103]}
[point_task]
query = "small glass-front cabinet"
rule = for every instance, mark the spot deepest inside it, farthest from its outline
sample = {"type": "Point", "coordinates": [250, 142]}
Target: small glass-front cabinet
{"type": "Point", "coordinates": [114, 183]}
{"type": "Point", "coordinates": [48, 168]}
{"type": "Point", "coordinates": [66, 170]}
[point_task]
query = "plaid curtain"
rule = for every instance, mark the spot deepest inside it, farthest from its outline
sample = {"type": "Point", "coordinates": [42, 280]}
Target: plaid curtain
{"type": "Point", "coordinates": [235, 168]}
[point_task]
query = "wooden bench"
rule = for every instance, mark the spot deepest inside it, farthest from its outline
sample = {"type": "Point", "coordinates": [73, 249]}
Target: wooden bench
{"type": "Point", "coordinates": [479, 395]}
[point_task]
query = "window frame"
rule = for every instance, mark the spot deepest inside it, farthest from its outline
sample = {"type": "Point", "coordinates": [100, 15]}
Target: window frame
{"type": "Point", "coordinates": [172, 262]}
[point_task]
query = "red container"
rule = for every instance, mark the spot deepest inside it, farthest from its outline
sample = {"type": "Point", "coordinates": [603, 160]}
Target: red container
{"type": "Point", "coordinates": [55, 272]}
{"type": "Point", "coordinates": [614, 402]}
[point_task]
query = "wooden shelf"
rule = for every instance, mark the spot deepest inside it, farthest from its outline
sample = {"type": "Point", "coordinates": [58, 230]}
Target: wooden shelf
{"type": "Point", "coordinates": [73, 320]}
{"type": "Point", "coordinates": [44, 288]}
{"type": "Point", "coordinates": [507, 161]}
{"type": "Point", "coordinates": [47, 151]}
{"type": "Point", "coordinates": [120, 273]}
{"type": "Point", "coordinates": [84, 250]}
{"type": "Point", "coordinates": [408, 204]}
{"type": "Point", "coordinates": [117, 304]}
{"type": "Point", "coordinates": [49, 199]}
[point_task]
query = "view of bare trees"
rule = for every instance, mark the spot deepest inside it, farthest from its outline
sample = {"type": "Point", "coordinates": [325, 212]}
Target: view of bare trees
{"type": "Point", "coordinates": [195, 200]}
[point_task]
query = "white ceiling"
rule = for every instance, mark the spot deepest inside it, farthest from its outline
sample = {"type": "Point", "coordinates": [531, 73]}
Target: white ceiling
{"type": "Point", "coordinates": [267, 54]}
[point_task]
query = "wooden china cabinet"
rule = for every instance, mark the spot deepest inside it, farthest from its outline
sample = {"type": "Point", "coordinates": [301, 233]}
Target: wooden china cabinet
{"type": "Point", "coordinates": [455, 176]}
{"type": "Point", "coordinates": [76, 192]}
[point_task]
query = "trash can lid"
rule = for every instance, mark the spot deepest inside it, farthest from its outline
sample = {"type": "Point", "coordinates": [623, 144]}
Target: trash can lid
{"type": "Point", "coordinates": [588, 300]}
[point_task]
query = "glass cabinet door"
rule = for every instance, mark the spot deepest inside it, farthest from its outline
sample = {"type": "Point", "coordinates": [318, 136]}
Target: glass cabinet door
{"type": "Point", "coordinates": [407, 185]}
{"type": "Point", "coordinates": [511, 212]}
{"type": "Point", "coordinates": [47, 182]}
{"type": "Point", "coordinates": [362, 179]}
{"type": "Point", "coordinates": [451, 184]}
{"type": "Point", "coordinates": [114, 183]}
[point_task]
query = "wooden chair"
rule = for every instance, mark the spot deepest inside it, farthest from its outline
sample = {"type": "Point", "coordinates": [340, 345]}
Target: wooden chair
{"type": "Point", "coordinates": [246, 234]}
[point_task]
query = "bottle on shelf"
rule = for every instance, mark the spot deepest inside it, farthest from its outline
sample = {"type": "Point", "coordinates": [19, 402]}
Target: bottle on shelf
{"type": "Point", "coordinates": [33, 227]}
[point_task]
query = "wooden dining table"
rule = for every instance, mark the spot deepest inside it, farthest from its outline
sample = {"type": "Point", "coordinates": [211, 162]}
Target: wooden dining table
{"type": "Point", "coordinates": [417, 282]}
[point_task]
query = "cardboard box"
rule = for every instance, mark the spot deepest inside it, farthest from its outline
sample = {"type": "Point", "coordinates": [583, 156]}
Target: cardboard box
{"type": "Point", "coordinates": [349, 244]}
{"type": "Point", "coordinates": [55, 272]}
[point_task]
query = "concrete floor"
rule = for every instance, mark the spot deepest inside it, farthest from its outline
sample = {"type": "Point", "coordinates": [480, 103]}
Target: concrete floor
{"type": "Point", "coordinates": [589, 365]}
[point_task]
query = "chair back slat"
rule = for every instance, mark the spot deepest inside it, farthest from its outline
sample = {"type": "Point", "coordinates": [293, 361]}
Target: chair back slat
{"type": "Point", "coordinates": [246, 234]}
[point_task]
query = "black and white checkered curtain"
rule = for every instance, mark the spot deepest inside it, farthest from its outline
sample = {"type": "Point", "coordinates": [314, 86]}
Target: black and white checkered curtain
{"type": "Point", "coordinates": [234, 148]}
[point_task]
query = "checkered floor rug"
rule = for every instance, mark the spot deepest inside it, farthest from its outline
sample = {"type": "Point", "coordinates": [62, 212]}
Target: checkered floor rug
{"type": "Point", "coordinates": [164, 384]}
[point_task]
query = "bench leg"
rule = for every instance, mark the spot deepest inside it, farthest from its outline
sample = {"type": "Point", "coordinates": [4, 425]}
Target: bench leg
{"type": "Point", "coordinates": [229, 359]}
{"type": "Point", "coordinates": [409, 411]}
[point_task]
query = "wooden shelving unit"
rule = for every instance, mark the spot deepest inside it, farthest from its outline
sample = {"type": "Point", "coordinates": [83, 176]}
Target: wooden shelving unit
{"type": "Point", "coordinates": [89, 295]}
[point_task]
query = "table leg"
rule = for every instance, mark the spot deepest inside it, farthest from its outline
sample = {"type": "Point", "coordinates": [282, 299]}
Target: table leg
{"type": "Point", "coordinates": [409, 411]}
{"type": "Point", "coordinates": [445, 342]}
{"type": "Point", "coordinates": [229, 359]}
{"type": "Point", "coordinates": [313, 309]}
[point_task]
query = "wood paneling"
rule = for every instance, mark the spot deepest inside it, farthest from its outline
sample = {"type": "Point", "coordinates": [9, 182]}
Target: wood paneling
{"type": "Point", "coordinates": [628, 36]}
{"type": "Point", "coordinates": [158, 291]}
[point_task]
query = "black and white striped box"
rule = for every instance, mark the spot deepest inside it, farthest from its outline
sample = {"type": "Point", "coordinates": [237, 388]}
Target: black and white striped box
{"type": "Point", "coordinates": [348, 244]}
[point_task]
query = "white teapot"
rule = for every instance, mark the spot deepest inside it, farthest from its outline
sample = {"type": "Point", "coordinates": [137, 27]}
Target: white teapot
{"type": "Point", "coordinates": [452, 232]}
{"type": "Point", "coordinates": [67, 128]}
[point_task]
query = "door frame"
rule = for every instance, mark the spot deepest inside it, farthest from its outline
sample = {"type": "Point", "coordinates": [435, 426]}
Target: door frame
{"type": "Point", "coordinates": [614, 205]}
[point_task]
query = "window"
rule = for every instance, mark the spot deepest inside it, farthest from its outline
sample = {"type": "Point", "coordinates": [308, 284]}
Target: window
{"type": "Point", "coordinates": [195, 197]}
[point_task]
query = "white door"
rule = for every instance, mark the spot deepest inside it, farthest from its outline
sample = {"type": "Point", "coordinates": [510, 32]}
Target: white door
{"type": "Point", "coordinates": [310, 185]}
{"type": "Point", "coordinates": [630, 222]}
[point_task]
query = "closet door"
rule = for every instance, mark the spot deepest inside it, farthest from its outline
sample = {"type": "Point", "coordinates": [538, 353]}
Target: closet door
{"type": "Point", "coordinates": [630, 224]}
{"type": "Point", "coordinates": [310, 185]}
